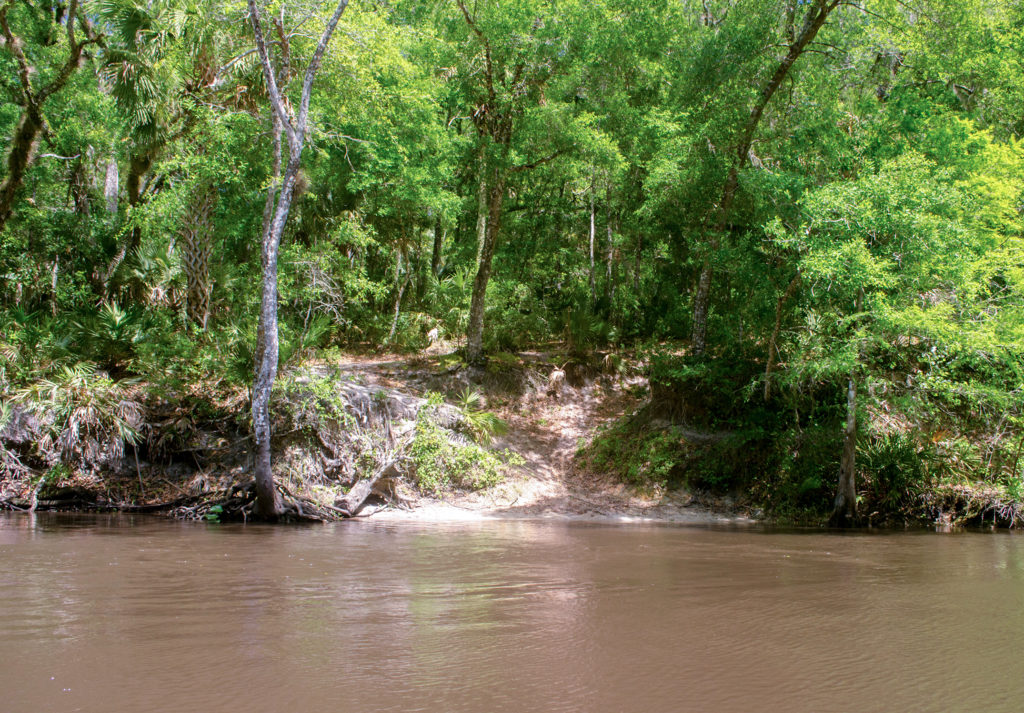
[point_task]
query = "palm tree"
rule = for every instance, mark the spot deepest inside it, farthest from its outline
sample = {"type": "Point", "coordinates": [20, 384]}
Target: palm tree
{"type": "Point", "coordinates": [161, 54]}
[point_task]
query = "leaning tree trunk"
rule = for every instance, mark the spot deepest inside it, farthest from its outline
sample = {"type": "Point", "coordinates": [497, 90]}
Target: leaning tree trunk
{"type": "Point", "coordinates": [813, 22]}
{"type": "Point", "coordinates": [23, 149]}
{"type": "Point", "coordinates": [475, 332]}
{"type": "Point", "coordinates": [196, 249]}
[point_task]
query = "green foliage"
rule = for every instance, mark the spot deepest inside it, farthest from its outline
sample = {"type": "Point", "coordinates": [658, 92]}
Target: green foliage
{"type": "Point", "coordinates": [517, 316]}
{"type": "Point", "coordinates": [717, 393]}
{"type": "Point", "coordinates": [883, 183]}
{"type": "Point", "coordinates": [708, 427]}
{"type": "Point", "coordinates": [314, 404]}
{"type": "Point", "coordinates": [111, 335]}
{"type": "Point", "coordinates": [440, 462]}
{"type": "Point", "coordinates": [647, 458]}
{"type": "Point", "coordinates": [86, 417]}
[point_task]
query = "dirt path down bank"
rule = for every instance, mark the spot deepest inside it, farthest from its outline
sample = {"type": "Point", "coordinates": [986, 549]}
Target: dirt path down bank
{"type": "Point", "coordinates": [546, 426]}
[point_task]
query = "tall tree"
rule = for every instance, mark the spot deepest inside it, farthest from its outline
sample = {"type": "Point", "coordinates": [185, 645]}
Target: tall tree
{"type": "Point", "coordinates": [295, 126]}
{"type": "Point", "coordinates": [815, 16]}
{"type": "Point", "coordinates": [517, 53]}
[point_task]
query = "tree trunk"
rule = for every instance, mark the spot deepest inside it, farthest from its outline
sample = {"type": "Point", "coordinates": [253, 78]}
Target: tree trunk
{"type": "Point", "coordinates": [23, 149]}
{"type": "Point", "coordinates": [481, 213]}
{"type": "Point", "coordinates": [593, 251]}
{"type": "Point", "coordinates": [401, 285]}
{"type": "Point", "coordinates": [53, 285]}
{"type": "Point", "coordinates": [78, 189]}
{"type": "Point", "coordinates": [111, 182]}
{"type": "Point", "coordinates": [268, 500]}
{"type": "Point", "coordinates": [277, 129]}
{"type": "Point", "coordinates": [637, 262]}
{"type": "Point", "coordinates": [197, 246]}
{"type": "Point", "coordinates": [609, 286]}
{"type": "Point", "coordinates": [773, 342]}
{"type": "Point", "coordinates": [845, 512]}
{"type": "Point", "coordinates": [436, 254]}
{"type": "Point", "coordinates": [419, 268]}
{"type": "Point", "coordinates": [475, 332]}
{"type": "Point", "coordinates": [354, 498]}
{"type": "Point", "coordinates": [701, 303]}
{"type": "Point", "coordinates": [139, 165]}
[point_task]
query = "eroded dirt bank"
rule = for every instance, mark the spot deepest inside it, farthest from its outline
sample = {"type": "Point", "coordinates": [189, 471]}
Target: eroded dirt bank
{"type": "Point", "coordinates": [346, 422]}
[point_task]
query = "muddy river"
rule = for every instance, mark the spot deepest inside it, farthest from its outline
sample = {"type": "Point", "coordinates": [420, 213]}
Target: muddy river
{"type": "Point", "coordinates": [128, 614]}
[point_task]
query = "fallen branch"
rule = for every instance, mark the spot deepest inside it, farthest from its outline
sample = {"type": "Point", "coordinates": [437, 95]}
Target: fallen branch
{"type": "Point", "coordinates": [350, 504]}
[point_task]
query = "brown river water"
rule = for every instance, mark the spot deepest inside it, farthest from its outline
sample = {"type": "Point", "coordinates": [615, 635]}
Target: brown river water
{"type": "Point", "coordinates": [138, 614]}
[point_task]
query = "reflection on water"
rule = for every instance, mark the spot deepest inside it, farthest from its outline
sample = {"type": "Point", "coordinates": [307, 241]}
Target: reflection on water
{"type": "Point", "coordinates": [140, 614]}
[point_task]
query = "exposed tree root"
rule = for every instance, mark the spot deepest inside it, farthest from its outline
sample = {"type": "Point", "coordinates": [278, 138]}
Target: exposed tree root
{"type": "Point", "coordinates": [966, 506]}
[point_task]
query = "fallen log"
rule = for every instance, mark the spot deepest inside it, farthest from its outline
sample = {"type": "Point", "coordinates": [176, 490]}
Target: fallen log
{"type": "Point", "coordinates": [152, 507]}
{"type": "Point", "coordinates": [354, 499]}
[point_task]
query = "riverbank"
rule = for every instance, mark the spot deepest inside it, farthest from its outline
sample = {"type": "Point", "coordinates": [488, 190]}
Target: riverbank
{"type": "Point", "coordinates": [537, 434]}
{"type": "Point", "coordinates": [339, 423]}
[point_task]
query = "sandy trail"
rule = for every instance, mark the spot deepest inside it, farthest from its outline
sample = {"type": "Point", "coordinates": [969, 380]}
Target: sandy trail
{"type": "Point", "coordinates": [546, 429]}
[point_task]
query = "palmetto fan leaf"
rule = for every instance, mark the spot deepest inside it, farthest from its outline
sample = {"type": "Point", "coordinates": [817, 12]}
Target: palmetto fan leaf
{"type": "Point", "coordinates": [157, 53]}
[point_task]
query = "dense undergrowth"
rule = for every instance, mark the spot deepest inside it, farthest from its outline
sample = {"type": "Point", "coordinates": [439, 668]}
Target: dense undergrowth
{"type": "Point", "coordinates": [77, 438]}
{"type": "Point", "coordinates": [707, 426]}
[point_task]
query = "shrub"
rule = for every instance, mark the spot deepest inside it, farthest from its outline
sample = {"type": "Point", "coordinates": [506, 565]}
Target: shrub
{"type": "Point", "coordinates": [86, 418]}
{"type": "Point", "coordinates": [894, 469]}
{"type": "Point", "coordinates": [441, 462]}
{"type": "Point", "coordinates": [111, 335]}
{"type": "Point", "coordinates": [482, 425]}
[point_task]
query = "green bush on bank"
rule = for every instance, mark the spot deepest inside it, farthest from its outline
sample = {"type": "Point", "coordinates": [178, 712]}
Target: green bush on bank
{"type": "Point", "coordinates": [441, 462]}
{"type": "Point", "coordinates": [708, 427]}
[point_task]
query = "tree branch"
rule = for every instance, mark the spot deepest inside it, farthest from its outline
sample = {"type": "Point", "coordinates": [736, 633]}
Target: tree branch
{"type": "Point", "coordinates": [277, 103]}
{"type": "Point", "coordinates": [535, 164]}
{"type": "Point", "coordinates": [75, 49]}
{"type": "Point", "coordinates": [14, 46]}
{"type": "Point", "coordinates": [314, 65]}
{"type": "Point", "coordinates": [489, 76]}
